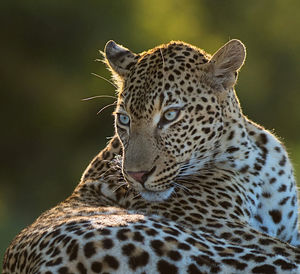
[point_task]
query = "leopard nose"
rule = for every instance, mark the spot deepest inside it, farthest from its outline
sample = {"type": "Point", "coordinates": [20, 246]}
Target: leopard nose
{"type": "Point", "coordinates": [141, 176]}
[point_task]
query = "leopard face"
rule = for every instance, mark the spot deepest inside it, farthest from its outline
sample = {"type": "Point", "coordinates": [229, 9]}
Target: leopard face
{"type": "Point", "coordinates": [169, 115]}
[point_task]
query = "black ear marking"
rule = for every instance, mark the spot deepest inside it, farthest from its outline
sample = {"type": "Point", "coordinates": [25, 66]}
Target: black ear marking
{"type": "Point", "coordinates": [119, 58]}
{"type": "Point", "coordinates": [113, 52]}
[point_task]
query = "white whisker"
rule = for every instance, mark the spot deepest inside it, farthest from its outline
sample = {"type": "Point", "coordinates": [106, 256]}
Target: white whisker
{"type": "Point", "coordinates": [162, 56]}
{"type": "Point", "coordinates": [118, 187]}
{"type": "Point", "coordinates": [127, 192]}
{"type": "Point", "coordinates": [104, 175]}
{"type": "Point", "coordinates": [112, 176]}
{"type": "Point", "coordinates": [98, 96]}
{"type": "Point", "coordinates": [103, 78]}
{"type": "Point", "coordinates": [137, 195]}
{"type": "Point", "coordinates": [163, 68]}
{"type": "Point", "coordinates": [174, 194]}
{"type": "Point", "coordinates": [105, 107]}
{"type": "Point", "coordinates": [180, 186]}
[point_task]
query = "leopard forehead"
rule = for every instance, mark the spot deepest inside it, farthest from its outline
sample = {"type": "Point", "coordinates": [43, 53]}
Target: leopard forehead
{"type": "Point", "coordinates": [167, 75]}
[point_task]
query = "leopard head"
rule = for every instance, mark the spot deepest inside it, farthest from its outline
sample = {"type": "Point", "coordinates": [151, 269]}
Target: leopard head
{"type": "Point", "coordinates": [169, 114]}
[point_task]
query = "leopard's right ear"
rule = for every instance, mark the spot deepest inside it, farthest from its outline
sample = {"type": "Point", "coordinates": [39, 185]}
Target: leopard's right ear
{"type": "Point", "coordinates": [119, 59]}
{"type": "Point", "coordinates": [226, 63]}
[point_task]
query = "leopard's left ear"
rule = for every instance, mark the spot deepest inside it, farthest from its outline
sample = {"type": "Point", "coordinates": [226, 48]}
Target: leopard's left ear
{"type": "Point", "coordinates": [119, 59]}
{"type": "Point", "coordinates": [226, 63]}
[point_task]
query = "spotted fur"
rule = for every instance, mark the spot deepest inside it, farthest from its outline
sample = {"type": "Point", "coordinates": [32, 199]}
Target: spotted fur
{"type": "Point", "coordinates": [193, 186]}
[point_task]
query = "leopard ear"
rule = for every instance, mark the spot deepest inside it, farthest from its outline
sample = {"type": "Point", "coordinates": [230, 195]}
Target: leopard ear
{"type": "Point", "coordinates": [226, 63]}
{"type": "Point", "coordinates": [119, 59]}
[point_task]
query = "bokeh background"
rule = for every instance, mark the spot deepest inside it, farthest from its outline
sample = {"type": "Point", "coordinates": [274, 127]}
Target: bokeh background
{"type": "Point", "coordinates": [49, 135]}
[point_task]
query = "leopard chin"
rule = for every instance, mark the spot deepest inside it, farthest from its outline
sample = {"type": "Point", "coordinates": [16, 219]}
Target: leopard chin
{"type": "Point", "coordinates": [157, 196]}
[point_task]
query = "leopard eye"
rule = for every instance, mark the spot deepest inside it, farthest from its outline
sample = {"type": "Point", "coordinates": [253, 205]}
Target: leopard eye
{"type": "Point", "coordinates": [123, 119]}
{"type": "Point", "coordinates": [171, 115]}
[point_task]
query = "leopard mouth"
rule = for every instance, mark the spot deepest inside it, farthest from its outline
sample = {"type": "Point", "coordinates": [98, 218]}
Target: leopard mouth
{"type": "Point", "coordinates": [150, 195]}
{"type": "Point", "coordinates": [157, 196]}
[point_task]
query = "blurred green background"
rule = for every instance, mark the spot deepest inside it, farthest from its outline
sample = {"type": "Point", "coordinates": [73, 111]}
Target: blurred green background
{"type": "Point", "coordinates": [48, 48]}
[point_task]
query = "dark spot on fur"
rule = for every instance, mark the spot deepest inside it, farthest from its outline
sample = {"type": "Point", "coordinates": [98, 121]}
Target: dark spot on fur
{"type": "Point", "coordinates": [232, 149]}
{"type": "Point", "coordinates": [174, 255]}
{"type": "Point", "coordinates": [282, 188]}
{"type": "Point", "coordinates": [157, 247]}
{"type": "Point", "coordinates": [81, 268]}
{"type": "Point", "coordinates": [276, 215]}
{"type": "Point", "coordinates": [238, 265]}
{"type": "Point", "coordinates": [264, 269]}
{"type": "Point", "coordinates": [244, 169]}
{"type": "Point", "coordinates": [89, 249]}
{"type": "Point", "coordinates": [111, 261]}
{"type": "Point", "coordinates": [258, 218]}
{"type": "Point", "coordinates": [264, 138]}
{"type": "Point", "coordinates": [282, 162]}
{"type": "Point", "coordinates": [107, 243]}
{"type": "Point", "coordinates": [266, 195]}
{"type": "Point", "coordinates": [284, 264]}
{"type": "Point", "coordinates": [96, 267]}
{"type": "Point", "coordinates": [164, 267]}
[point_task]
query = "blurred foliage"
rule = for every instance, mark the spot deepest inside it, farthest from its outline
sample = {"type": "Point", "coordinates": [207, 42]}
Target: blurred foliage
{"type": "Point", "coordinates": [48, 50]}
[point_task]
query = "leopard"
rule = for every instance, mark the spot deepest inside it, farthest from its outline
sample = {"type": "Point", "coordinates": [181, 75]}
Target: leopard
{"type": "Point", "coordinates": [178, 113]}
{"type": "Point", "coordinates": [187, 185]}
